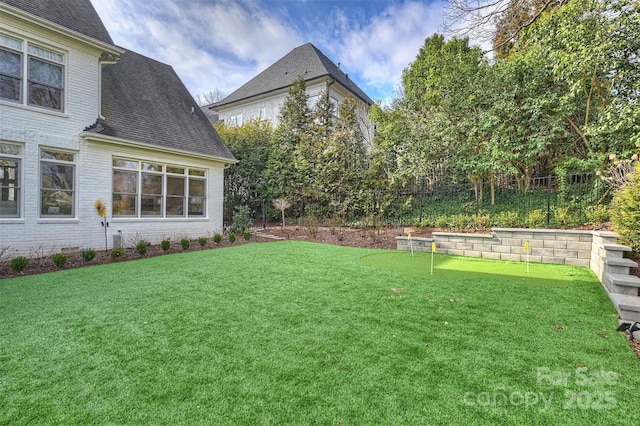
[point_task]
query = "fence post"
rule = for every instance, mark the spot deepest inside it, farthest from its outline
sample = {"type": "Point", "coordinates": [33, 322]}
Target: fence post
{"type": "Point", "coordinates": [421, 196]}
{"type": "Point", "coordinates": [549, 201]}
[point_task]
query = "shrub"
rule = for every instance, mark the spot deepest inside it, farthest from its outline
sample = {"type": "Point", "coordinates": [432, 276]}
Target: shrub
{"type": "Point", "coordinates": [480, 221]}
{"type": "Point", "coordinates": [537, 219]}
{"type": "Point", "coordinates": [141, 247]}
{"type": "Point", "coordinates": [625, 211]}
{"type": "Point", "coordinates": [19, 264]}
{"type": "Point", "coordinates": [89, 254]}
{"type": "Point", "coordinates": [217, 238]}
{"type": "Point", "coordinates": [59, 259]}
{"type": "Point", "coordinates": [246, 234]}
{"type": "Point", "coordinates": [508, 219]}
{"type": "Point", "coordinates": [165, 244]}
{"type": "Point", "coordinates": [117, 252]}
{"type": "Point", "coordinates": [459, 221]}
{"type": "Point", "coordinates": [441, 221]}
{"type": "Point", "coordinates": [232, 237]}
{"type": "Point", "coordinates": [185, 243]}
{"type": "Point", "coordinates": [202, 241]}
{"type": "Point", "coordinates": [562, 217]}
{"type": "Point", "coordinates": [311, 222]}
{"type": "Point", "coordinates": [241, 219]}
{"type": "Point", "coordinates": [596, 214]}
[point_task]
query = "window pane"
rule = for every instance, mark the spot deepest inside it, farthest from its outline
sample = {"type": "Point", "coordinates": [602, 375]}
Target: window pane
{"type": "Point", "coordinates": [175, 170]}
{"type": "Point", "coordinates": [9, 88]}
{"type": "Point", "coordinates": [57, 203]}
{"type": "Point", "coordinates": [124, 205]}
{"type": "Point", "coordinates": [9, 188]}
{"type": "Point", "coordinates": [45, 53]}
{"type": "Point", "coordinates": [196, 173]}
{"type": "Point", "coordinates": [151, 205]}
{"type": "Point", "coordinates": [151, 184]}
{"type": "Point", "coordinates": [45, 73]}
{"type": "Point", "coordinates": [152, 167]}
{"type": "Point", "coordinates": [6, 148]}
{"type": "Point", "coordinates": [53, 155]}
{"type": "Point", "coordinates": [125, 182]}
{"type": "Point", "coordinates": [175, 206]}
{"type": "Point", "coordinates": [125, 164]}
{"type": "Point", "coordinates": [10, 63]}
{"type": "Point", "coordinates": [196, 188]}
{"type": "Point", "coordinates": [10, 42]}
{"type": "Point", "coordinates": [44, 96]}
{"type": "Point", "coordinates": [175, 186]}
{"type": "Point", "coordinates": [196, 206]}
{"type": "Point", "coordinates": [57, 176]}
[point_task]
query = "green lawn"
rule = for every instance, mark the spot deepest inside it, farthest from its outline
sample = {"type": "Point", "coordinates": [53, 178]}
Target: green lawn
{"type": "Point", "coordinates": [299, 333]}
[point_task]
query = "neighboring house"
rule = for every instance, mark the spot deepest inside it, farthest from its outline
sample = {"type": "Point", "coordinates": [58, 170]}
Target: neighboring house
{"type": "Point", "coordinates": [263, 96]}
{"type": "Point", "coordinates": [82, 119]}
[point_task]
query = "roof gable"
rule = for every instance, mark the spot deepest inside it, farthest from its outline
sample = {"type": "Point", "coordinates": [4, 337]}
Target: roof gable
{"type": "Point", "coordinates": [76, 15]}
{"type": "Point", "coordinates": [145, 101]}
{"type": "Point", "coordinates": [306, 61]}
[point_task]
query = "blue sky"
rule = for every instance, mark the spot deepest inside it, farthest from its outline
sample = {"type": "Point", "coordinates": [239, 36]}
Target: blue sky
{"type": "Point", "coordinates": [221, 44]}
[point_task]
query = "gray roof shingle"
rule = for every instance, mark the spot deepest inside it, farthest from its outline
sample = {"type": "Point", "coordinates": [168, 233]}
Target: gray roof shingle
{"type": "Point", "coordinates": [77, 15]}
{"type": "Point", "coordinates": [145, 101]}
{"type": "Point", "coordinates": [306, 61]}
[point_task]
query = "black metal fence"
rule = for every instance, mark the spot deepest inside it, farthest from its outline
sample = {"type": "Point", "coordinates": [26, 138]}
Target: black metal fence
{"type": "Point", "coordinates": [549, 201]}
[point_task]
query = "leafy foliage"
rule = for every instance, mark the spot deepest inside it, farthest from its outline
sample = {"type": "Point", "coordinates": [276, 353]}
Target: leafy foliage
{"type": "Point", "coordinates": [165, 244]}
{"type": "Point", "coordinates": [89, 254]}
{"type": "Point", "coordinates": [19, 264]}
{"type": "Point", "coordinates": [625, 211]}
{"type": "Point", "coordinates": [141, 247]}
{"type": "Point", "coordinates": [59, 259]}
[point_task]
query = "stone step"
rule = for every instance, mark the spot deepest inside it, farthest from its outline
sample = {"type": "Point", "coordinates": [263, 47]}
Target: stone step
{"type": "Point", "coordinates": [628, 306]}
{"type": "Point", "coordinates": [622, 284]}
{"type": "Point", "coordinates": [618, 266]}
{"type": "Point", "coordinates": [614, 251]}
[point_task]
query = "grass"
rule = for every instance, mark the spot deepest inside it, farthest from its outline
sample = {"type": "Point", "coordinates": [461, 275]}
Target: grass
{"type": "Point", "coordinates": [300, 333]}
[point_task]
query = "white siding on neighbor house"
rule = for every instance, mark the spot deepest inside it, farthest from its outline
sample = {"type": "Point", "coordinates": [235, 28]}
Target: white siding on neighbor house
{"type": "Point", "coordinates": [272, 103]}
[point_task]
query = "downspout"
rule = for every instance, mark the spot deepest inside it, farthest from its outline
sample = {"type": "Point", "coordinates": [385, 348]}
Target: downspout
{"type": "Point", "coordinates": [105, 59]}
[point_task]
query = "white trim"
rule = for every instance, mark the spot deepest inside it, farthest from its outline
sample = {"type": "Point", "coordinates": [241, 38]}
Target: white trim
{"type": "Point", "coordinates": [95, 137]}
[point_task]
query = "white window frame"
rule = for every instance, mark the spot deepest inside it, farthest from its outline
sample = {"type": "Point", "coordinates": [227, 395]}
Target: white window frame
{"type": "Point", "coordinates": [185, 208]}
{"type": "Point", "coordinates": [28, 51]}
{"type": "Point", "coordinates": [13, 192]}
{"type": "Point", "coordinates": [53, 211]}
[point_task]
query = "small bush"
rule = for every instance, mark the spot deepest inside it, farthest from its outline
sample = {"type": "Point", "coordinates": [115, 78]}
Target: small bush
{"type": "Point", "coordinates": [232, 237]}
{"type": "Point", "coordinates": [165, 244]}
{"type": "Point", "coordinates": [202, 241]}
{"type": "Point", "coordinates": [459, 222]}
{"type": "Point", "coordinates": [441, 221]}
{"type": "Point", "coordinates": [19, 264]}
{"type": "Point", "coordinates": [596, 214]}
{"type": "Point", "coordinates": [246, 234]}
{"type": "Point", "coordinates": [185, 243]}
{"type": "Point", "coordinates": [480, 221]}
{"type": "Point", "coordinates": [59, 259]}
{"type": "Point", "coordinates": [562, 217]}
{"type": "Point", "coordinates": [241, 219]}
{"type": "Point", "coordinates": [117, 252]}
{"type": "Point", "coordinates": [508, 219]}
{"type": "Point", "coordinates": [89, 254]}
{"type": "Point", "coordinates": [141, 247]}
{"type": "Point", "coordinates": [311, 222]}
{"type": "Point", "coordinates": [217, 238]}
{"type": "Point", "coordinates": [537, 219]}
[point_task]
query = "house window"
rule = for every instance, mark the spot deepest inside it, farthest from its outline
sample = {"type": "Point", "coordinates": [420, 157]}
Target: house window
{"type": "Point", "coordinates": [263, 113]}
{"type": "Point", "coordinates": [57, 183]}
{"type": "Point", "coordinates": [10, 156]}
{"type": "Point", "coordinates": [10, 68]}
{"type": "Point", "coordinates": [43, 73]}
{"type": "Point", "coordinates": [149, 189]}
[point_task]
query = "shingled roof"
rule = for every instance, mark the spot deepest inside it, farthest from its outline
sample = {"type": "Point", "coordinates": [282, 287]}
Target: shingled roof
{"type": "Point", "coordinates": [306, 61]}
{"type": "Point", "coordinates": [77, 15]}
{"type": "Point", "coordinates": [145, 101]}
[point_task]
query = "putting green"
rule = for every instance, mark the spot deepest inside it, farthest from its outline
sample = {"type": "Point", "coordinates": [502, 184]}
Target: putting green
{"type": "Point", "coordinates": [450, 268]}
